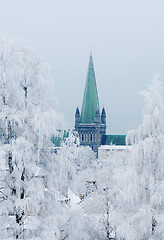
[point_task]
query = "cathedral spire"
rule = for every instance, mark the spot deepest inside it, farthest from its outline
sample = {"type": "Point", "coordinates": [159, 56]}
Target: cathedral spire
{"type": "Point", "coordinates": [90, 99]}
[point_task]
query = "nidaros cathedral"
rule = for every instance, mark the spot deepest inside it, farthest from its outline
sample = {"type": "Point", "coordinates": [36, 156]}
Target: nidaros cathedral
{"type": "Point", "coordinates": [90, 123]}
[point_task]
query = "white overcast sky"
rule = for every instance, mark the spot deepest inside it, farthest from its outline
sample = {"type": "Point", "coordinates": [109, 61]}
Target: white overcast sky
{"type": "Point", "coordinates": [126, 38]}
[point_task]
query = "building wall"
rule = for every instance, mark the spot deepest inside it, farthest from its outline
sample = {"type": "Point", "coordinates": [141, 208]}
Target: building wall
{"type": "Point", "coordinates": [91, 135]}
{"type": "Point", "coordinates": [104, 151]}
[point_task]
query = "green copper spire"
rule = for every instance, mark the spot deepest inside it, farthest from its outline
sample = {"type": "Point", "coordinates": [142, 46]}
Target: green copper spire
{"type": "Point", "coordinates": [90, 99]}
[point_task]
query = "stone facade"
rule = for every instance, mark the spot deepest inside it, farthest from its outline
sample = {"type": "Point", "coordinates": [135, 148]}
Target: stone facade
{"type": "Point", "coordinates": [90, 134]}
{"type": "Point", "coordinates": [89, 124]}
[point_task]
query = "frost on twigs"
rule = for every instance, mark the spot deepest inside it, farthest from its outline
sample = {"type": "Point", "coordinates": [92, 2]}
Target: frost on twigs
{"type": "Point", "coordinates": [147, 163]}
{"type": "Point", "coordinates": [26, 126]}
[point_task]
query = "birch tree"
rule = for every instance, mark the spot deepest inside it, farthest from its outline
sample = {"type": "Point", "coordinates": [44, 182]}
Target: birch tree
{"type": "Point", "coordinates": [26, 127]}
{"type": "Point", "coordinates": [147, 164]}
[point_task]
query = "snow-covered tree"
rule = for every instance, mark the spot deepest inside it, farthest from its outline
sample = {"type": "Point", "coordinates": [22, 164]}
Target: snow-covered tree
{"type": "Point", "coordinates": [74, 164]}
{"type": "Point", "coordinates": [142, 180]}
{"type": "Point", "coordinates": [27, 123]}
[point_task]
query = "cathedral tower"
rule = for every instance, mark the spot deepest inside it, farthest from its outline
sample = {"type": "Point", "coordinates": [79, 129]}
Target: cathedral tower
{"type": "Point", "coordinates": [90, 125]}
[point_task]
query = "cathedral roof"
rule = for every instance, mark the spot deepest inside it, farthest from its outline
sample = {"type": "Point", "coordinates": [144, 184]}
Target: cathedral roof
{"type": "Point", "coordinates": [114, 140]}
{"type": "Point", "coordinates": [90, 99]}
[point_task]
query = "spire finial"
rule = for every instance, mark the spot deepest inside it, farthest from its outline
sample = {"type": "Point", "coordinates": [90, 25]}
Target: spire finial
{"type": "Point", "coordinates": [91, 58]}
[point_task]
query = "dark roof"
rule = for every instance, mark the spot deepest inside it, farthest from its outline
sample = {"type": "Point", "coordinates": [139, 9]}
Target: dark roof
{"type": "Point", "coordinates": [114, 140]}
{"type": "Point", "coordinates": [97, 112]}
{"type": "Point", "coordinates": [103, 111]}
{"type": "Point", "coordinates": [77, 111]}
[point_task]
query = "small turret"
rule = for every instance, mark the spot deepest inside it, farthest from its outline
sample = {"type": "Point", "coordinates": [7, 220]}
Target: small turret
{"type": "Point", "coordinates": [77, 117]}
{"type": "Point", "coordinates": [97, 116]}
{"type": "Point", "coordinates": [103, 116]}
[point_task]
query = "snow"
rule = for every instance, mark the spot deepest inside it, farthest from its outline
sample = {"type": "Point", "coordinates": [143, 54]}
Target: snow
{"type": "Point", "coordinates": [39, 190]}
{"type": "Point", "coordinates": [74, 199]}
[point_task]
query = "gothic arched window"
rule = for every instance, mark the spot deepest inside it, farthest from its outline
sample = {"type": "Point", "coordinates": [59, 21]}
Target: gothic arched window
{"type": "Point", "coordinates": [91, 137]}
{"type": "Point", "coordinates": [82, 137]}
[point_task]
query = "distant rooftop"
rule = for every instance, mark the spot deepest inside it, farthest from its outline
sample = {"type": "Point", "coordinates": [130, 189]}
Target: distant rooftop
{"type": "Point", "coordinates": [61, 137]}
{"type": "Point", "coordinates": [118, 140]}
